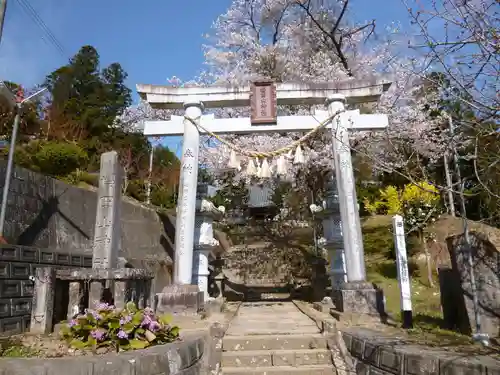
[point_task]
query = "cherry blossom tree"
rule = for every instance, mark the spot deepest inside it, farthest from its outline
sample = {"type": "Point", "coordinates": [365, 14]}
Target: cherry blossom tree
{"type": "Point", "coordinates": [314, 41]}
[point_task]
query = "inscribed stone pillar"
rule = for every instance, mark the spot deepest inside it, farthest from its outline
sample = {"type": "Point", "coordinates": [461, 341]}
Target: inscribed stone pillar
{"type": "Point", "coordinates": [43, 301]}
{"type": "Point", "coordinates": [186, 210]}
{"type": "Point", "coordinates": [107, 225]}
{"type": "Point", "coordinates": [353, 242]}
{"type": "Point", "coordinates": [356, 295]}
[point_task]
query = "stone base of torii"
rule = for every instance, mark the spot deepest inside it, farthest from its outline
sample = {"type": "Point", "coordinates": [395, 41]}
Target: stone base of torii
{"type": "Point", "coordinates": [356, 294]}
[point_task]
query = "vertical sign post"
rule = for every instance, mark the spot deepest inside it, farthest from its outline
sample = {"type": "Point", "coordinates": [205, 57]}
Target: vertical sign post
{"type": "Point", "coordinates": [403, 274]}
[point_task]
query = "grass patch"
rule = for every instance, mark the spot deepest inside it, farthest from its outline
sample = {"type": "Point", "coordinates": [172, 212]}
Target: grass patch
{"type": "Point", "coordinates": [426, 304]}
{"type": "Point", "coordinates": [12, 348]}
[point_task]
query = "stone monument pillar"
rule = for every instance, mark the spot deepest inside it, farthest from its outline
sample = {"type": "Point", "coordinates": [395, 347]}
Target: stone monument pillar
{"type": "Point", "coordinates": [204, 241]}
{"type": "Point", "coordinates": [107, 232]}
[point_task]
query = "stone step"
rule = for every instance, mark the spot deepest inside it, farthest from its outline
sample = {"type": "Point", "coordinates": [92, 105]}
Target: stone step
{"type": "Point", "coordinates": [303, 370]}
{"type": "Point", "coordinates": [274, 342]}
{"type": "Point", "coordinates": [266, 358]}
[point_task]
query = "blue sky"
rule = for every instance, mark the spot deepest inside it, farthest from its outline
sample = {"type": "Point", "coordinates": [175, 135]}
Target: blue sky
{"type": "Point", "coordinates": [152, 39]}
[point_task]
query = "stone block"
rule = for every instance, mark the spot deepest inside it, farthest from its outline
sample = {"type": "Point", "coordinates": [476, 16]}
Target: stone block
{"type": "Point", "coordinates": [358, 347]}
{"type": "Point", "coordinates": [420, 362]}
{"type": "Point", "coordinates": [371, 353]}
{"type": "Point", "coordinates": [87, 261]}
{"type": "Point", "coordinates": [63, 259]}
{"type": "Point", "coordinates": [486, 266]}
{"type": "Point", "coordinates": [20, 306]}
{"type": "Point", "coordinates": [253, 359]}
{"type": "Point", "coordinates": [274, 342]}
{"type": "Point", "coordinates": [47, 257]}
{"type": "Point", "coordinates": [4, 308]}
{"type": "Point", "coordinates": [114, 365]}
{"type": "Point", "coordinates": [43, 300]}
{"type": "Point", "coordinates": [20, 270]}
{"type": "Point", "coordinates": [10, 288]}
{"type": "Point", "coordinates": [76, 260]}
{"type": "Point", "coordinates": [179, 299]}
{"type": "Point", "coordinates": [451, 365]}
{"type": "Point", "coordinates": [10, 253]}
{"type": "Point", "coordinates": [11, 325]}
{"type": "Point", "coordinates": [359, 298]}
{"type": "Point", "coordinates": [73, 366]}
{"type": "Point", "coordinates": [27, 288]}
{"type": "Point", "coordinates": [4, 270]}
{"type": "Point", "coordinates": [390, 360]}
{"type": "Point", "coordinates": [29, 255]}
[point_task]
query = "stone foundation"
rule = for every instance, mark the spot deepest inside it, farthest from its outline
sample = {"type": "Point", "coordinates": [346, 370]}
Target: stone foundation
{"type": "Point", "coordinates": [359, 298]}
{"type": "Point", "coordinates": [179, 299]}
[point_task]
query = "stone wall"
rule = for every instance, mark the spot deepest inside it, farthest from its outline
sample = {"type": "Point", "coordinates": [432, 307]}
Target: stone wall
{"type": "Point", "coordinates": [187, 357]}
{"type": "Point", "coordinates": [373, 354]}
{"type": "Point", "coordinates": [17, 264]}
{"type": "Point", "coordinates": [47, 213]}
{"type": "Point", "coordinates": [456, 290]}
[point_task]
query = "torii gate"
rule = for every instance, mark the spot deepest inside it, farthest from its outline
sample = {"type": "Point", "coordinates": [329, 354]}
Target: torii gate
{"type": "Point", "coordinates": [195, 99]}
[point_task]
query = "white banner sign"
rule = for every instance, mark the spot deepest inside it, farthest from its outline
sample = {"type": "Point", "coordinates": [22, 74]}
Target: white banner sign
{"type": "Point", "coordinates": [402, 263]}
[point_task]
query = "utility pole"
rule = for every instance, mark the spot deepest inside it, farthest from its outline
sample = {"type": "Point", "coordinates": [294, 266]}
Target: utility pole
{"type": "Point", "coordinates": [19, 101]}
{"type": "Point", "coordinates": [3, 10]}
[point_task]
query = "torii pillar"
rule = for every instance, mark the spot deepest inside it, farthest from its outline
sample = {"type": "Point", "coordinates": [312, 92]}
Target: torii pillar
{"type": "Point", "coordinates": [335, 95]}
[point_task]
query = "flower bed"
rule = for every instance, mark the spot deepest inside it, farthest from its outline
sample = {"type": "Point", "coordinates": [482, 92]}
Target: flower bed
{"type": "Point", "coordinates": [120, 329]}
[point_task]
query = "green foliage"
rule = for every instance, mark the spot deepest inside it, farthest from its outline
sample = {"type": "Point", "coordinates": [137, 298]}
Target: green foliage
{"type": "Point", "coordinates": [378, 239]}
{"type": "Point", "coordinates": [419, 203]}
{"type": "Point", "coordinates": [59, 159]}
{"type": "Point", "coordinates": [421, 206]}
{"type": "Point", "coordinates": [387, 203]}
{"type": "Point", "coordinates": [127, 329]}
{"type": "Point", "coordinates": [85, 96]}
{"type": "Point", "coordinates": [164, 197]}
{"type": "Point", "coordinates": [13, 348]}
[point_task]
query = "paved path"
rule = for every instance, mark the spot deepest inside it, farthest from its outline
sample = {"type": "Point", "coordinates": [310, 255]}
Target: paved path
{"type": "Point", "coordinates": [269, 318]}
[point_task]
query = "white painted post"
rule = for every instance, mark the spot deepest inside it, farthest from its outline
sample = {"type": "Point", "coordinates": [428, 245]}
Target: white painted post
{"type": "Point", "coordinates": [200, 269]}
{"type": "Point", "coordinates": [353, 243]}
{"type": "Point", "coordinates": [403, 274]}
{"type": "Point", "coordinates": [186, 207]}
{"type": "Point", "coordinates": [204, 241]}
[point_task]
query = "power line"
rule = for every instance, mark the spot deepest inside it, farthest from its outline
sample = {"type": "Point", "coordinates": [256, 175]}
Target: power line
{"type": "Point", "coordinates": [50, 37]}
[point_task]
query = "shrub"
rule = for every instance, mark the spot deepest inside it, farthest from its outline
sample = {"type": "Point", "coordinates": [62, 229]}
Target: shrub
{"type": "Point", "coordinates": [59, 159]}
{"type": "Point", "coordinates": [388, 202]}
{"type": "Point", "coordinates": [127, 329]}
{"type": "Point", "coordinates": [421, 205]}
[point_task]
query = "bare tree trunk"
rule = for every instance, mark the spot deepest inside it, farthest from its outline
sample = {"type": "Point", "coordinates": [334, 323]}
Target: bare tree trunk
{"type": "Point", "coordinates": [428, 261]}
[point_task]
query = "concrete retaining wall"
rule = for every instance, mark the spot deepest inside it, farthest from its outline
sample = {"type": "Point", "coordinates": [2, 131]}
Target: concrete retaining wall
{"type": "Point", "coordinates": [17, 264]}
{"type": "Point", "coordinates": [189, 357]}
{"type": "Point", "coordinates": [46, 213]}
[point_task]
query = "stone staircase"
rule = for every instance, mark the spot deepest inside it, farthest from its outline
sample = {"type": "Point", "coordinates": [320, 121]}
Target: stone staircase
{"type": "Point", "coordinates": [275, 338]}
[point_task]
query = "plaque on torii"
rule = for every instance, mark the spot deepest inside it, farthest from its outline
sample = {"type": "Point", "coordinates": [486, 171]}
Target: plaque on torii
{"type": "Point", "coordinates": [263, 103]}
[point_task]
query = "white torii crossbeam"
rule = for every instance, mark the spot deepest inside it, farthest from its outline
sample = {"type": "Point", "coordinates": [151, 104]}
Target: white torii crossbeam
{"type": "Point", "coordinates": [175, 126]}
{"type": "Point", "coordinates": [195, 99]}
